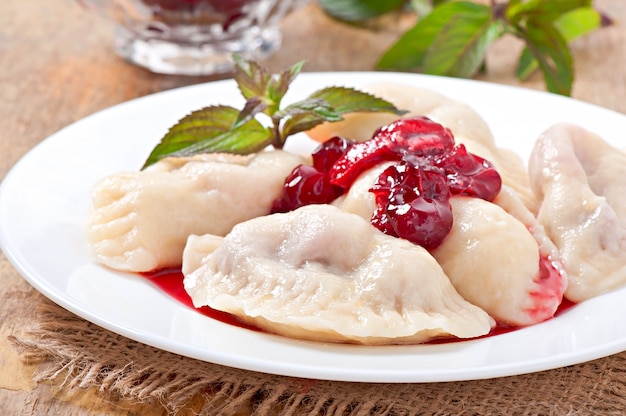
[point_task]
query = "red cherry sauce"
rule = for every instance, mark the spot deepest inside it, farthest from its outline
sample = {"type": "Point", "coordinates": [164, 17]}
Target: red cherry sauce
{"type": "Point", "coordinates": [413, 194]}
{"type": "Point", "coordinates": [551, 282]}
{"type": "Point", "coordinates": [170, 281]}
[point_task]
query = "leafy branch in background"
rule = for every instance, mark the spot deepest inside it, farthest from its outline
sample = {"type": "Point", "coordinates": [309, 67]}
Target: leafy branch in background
{"type": "Point", "coordinates": [451, 37]}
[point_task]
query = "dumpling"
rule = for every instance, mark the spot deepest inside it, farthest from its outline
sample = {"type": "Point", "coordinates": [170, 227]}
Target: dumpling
{"type": "Point", "coordinates": [358, 199]}
{"type": "Point", "coordinates": [580, 181]}
{"type": "Point", "coordinates": [506, 266]}
{"type": "Point", "coordinates": [140, 221]}
{"type": "Point", "coordinates": [318, 273]}
{"type": "Point", "coordinates": [467, 126]}
{"type": "Point", "coordinates": [495, 255]}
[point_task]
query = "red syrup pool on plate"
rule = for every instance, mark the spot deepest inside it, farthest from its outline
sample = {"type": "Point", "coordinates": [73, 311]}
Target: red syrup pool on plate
{"type": "Point", "coordinates": [170, 281]}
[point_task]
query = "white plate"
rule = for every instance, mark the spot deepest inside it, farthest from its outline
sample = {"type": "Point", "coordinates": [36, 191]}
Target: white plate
{"type": "Point", "coordinates": [44, 197]}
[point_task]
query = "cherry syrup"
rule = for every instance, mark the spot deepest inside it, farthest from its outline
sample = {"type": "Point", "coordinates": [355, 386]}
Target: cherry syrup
{"type": "Point", "coordinates": [170, 281]}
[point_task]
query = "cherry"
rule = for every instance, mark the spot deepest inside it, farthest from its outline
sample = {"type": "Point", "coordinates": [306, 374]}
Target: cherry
{"type": "Point", "coordinates": [413, 203]}
{"type": "Point", "coordinates": [469, 174]}
{"type": "Point", "coordinates": [312, 184]}
{"type": "Point", "coordinates": [418, 136]}
{"type": "Point", "coordinates": [327, 154]}
{"type": "Point", "coordinates": [304, 186]}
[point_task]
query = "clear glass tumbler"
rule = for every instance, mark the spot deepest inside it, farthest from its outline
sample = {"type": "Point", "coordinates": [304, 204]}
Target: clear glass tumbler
{"type": "Point", "coordinates": [194, 37]}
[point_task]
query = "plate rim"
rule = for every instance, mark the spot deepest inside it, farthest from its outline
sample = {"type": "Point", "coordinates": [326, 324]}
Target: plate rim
{"type": "Point", "coordinates": [354, 375]}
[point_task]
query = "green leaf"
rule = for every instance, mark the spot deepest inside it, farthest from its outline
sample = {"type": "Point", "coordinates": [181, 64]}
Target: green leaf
{"type": "Point", "coordinates": [410, 51]}
{"type": "Point", "coordinates": [328, 105]}
{"type": "Point", "coordinates": [541, 11]}
{"type": "Point", "coordinates": [526, 65]}
{"type": "Point", "coordinates": [278, 85]}
{"type": "Point", "coordinates": [571, 25]}
{"type": "Point", "coordinates": [253, 106]}
{"type": "Point", "coordinates": [460, 47]}
{"type": "Point", "coordinates": [256, 82]}
{"type": "Point", "coordinates": [251, 78]}
{"type": "Point", "coordinates": [358, 10]}
{"type": "Point", "coordinates": [210, 130]}
{"type": "Point", "coordinates": [249, 138]}
{"type": "Point", "coordinates": [306, 114]}
{"type": "Point", "coordinates": [550, 50]}
{"type": "Point", "coordinates": [312, 105]}
{"type": "Point", "coordinates": [578, 23]}
{"type": "Point", "coordinates": [347, 100]}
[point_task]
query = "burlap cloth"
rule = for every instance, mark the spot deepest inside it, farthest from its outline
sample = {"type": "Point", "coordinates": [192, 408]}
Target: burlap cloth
{"type": "Point", "coordinates": [79, 355]}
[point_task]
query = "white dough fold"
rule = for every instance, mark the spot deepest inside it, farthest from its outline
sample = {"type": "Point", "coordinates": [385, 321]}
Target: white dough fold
{"type": "Point", "coordinates": [140, 221]}
{"type": "Point", "coordinates": [493, 260]}
{"type": "Point", "coordinates": [580, 181]}
{"type": "Point", "coordinates": [322, 274]}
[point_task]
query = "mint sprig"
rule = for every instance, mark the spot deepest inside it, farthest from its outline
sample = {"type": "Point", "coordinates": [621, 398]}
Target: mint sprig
{"type": "Point", "coordinates": [571, 25]}
{"type": "Point", "coordinates": [452, 37]}
{"type": "Point", "coordinates": [221, 128]}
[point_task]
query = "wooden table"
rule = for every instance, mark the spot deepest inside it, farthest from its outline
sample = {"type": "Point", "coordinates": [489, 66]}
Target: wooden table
{"type": "Point", "coordinates": [57, 66]}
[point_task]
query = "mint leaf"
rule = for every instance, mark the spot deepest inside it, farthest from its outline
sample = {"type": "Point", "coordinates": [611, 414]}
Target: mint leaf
{"type": "Point", "coordinates": [306, 114]}
{"type": "Point", "coordinates": [357, 10]}
{"type": "Point", "coordinates": [526, 65]}
{"type": "Point", "coordinates": [578, 22]}
{"type": "Point", "coordinates": [535, 22]}
{"type": "Point", "coordinates": [278, 85]}
{"type": "Point", "coordinates": [459, 48]}
{"type": "Point", "coordinates": [255, 81]}
{"type": "Point", "coordinates": [549, 48]}
{"type": "Point", "coordinates": [571, 25]}
{"type": "Point", "coordinates": [347, 100]}
{"type": "Point", "coordinates": [253, 106]}
{"type": "Point", "coordinates": [411, 50]}
{"type": "Point", "coordinates": [210, 129]}
{"type": "Point", "coordinates": [251, 78]}
{"type": "Point", "coordinates": [541, 11]}
{"type": "Point", "coordinates": [328, 105]}
{"type": "Point", "coordinates": [312, 105]}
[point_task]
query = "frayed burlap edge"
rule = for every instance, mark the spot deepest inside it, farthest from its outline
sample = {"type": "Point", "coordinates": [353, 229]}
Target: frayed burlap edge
{"type": "Point", "coordinates": [80, 354]}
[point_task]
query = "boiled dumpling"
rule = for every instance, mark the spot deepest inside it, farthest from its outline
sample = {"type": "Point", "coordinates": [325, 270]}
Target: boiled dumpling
{"type": "Point", "coordinates": [580, 181]}
{"type": "Point", "coordinates": [319, 273]}
{"type": "Point", "coordinates": [492, 254]}
{"type": "Point", "coordinates": [140, 221]}
{"type": "Point", "coordinates": [507, 267]}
